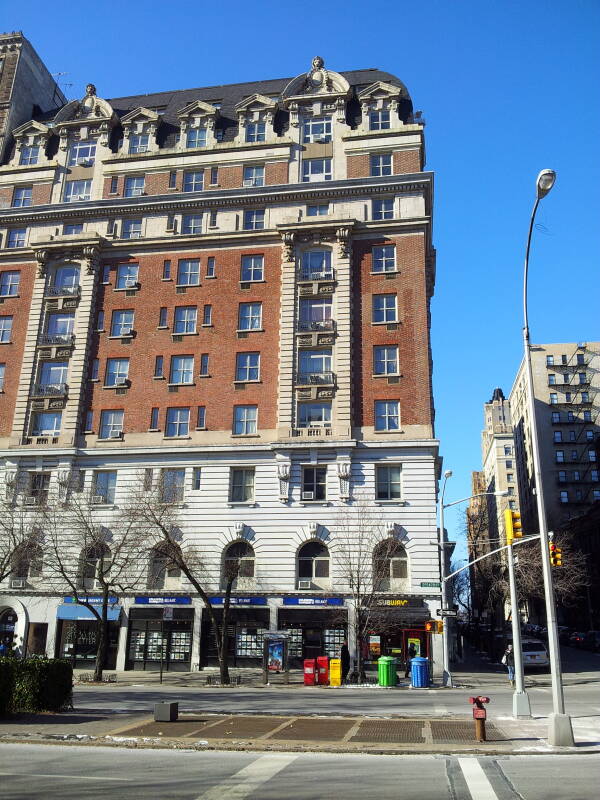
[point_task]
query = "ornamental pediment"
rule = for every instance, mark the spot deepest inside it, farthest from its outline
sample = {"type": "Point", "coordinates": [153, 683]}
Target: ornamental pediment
{"type": "Point", "coordinates": [88, 109]}
{"type": "Point", "coordinates": [198, 109]}
{"type": "Point", "coordinates": [31, 128]}
{"type": "Point", "coordinates": [380, 89]}
{"type": "Point", "coordinates": [315, 83]}
{"type": "Point", "coordinates": [140, 114]}
{"type": "Point", "coordinates": [256, 102]}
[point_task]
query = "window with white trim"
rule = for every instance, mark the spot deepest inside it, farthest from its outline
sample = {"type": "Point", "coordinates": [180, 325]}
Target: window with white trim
{"type": "Point", "coordinates": [241, 485]}
{"type": "Point", "coordinates": [314, 483]}
{"type": "Point", "coordinates": [9, 283]}
{"type": "Point", "coordinates": [127, 276]}
{"type": "Point", "coordinates": [131, 229]}
{"type": "Point", "coordinates": [5, 329]}
{"type": "Point", "coordinates": [178, 422]}
{"type": "Point", "coordinates": [77, 191]}
{"type": "Point", "coordinates": [387, 415]}
{"type": "Point", "coordinates": [254, 220]}
{"type": "Point", "coordinates": [256, 132]}
{"type": "Point", "coordinates": [122, 322]}
{"type": "Point", "coordinates": [314, 415]}
{"type": "Point", "coordinates": [111, 423]}
{"type": "Point", "coordinates": [254, 176]}
{"type": "Point", "coordinates": [82, 154]}
{"type": "Point", "coordinates": [134, 186]}
{"type": "Point", "coordinates": [117, 371]}
{"type": "Point", "coordinates": [29, 155]}
{"type": "Point", "coordinates": [22, 197]}
{"type": "Point", "coordinates": [388, 482]}
{"type": "Point", "coordinates": [385, 360]}
{"type": "Point", "coordinates": [245, 420]}
{"type": "Point", "coordinates": [253, 268]}
{"type": "Point", "coordinates": [381, 164]}
{"type": "Point", "coordinates": [185, 319]}
{"type": "Point", "coordinates": [316, 169]}
{"type": "Point", "coordinates": [384, 258]}
{"type": "Point", "coordinates": [139, 143]}
{"type": "Point", "coordinates": [383, 208]}
{"type": "Point", "coordinates": [193, 181]}
{"type": "Point", "coordinates": [247, 367]}
{"type": "Point", "coordinates": [385, 308]}
{"type": "Point", "coordinates": [188, 272]}
{"type": "Point", "coordinates": [191, 224]}
{"type": "Point", "coordinates": [250, 317]}
{"type": "Point", "coordinates": [17, 237]}
{"type": "Point", "coordinates": [196, 137]}
{"type": "Point", "coordinates": [182, 370]}
{"type": "Point", "coordinates": [316, 129]}
{"type": "Point", "coordinates": [379, 120]}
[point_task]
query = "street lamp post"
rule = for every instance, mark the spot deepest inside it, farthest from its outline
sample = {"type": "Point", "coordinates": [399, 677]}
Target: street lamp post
{"type": "Point", "coordinates": [560, 731]}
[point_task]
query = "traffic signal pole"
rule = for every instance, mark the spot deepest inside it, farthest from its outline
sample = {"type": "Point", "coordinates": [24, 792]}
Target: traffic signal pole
{"type": "Point", "coordinates": [521, 706]}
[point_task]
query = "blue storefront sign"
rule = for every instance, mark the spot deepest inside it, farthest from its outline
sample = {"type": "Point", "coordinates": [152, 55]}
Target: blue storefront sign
{"type": "Point", "coordinates": [313, 601]}
{"type": "Point", "coordinates": [167, 600]}
{"type": "Point", "coordinates": [240, 601]}
{"type": "Point", "coordinates": [93, 600]}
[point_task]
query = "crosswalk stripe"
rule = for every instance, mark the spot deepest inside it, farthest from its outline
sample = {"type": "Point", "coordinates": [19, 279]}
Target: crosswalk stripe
{"type": "Point", "coordinates": [250, 778]}
{"type": "Point", "coordinates": [477, 781]}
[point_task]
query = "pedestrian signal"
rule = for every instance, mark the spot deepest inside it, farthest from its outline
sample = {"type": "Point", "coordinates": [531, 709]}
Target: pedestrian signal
{"type": "Point", "coordinates": [555, 555]}
{"type": "Point", "coordinates": [431, 625]}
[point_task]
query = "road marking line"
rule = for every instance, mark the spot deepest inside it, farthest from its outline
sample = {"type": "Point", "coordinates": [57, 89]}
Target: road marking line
{"type": "Point", "coordinates": [249, 779]}
{"type": "Point", "coordinates": [477, 781]}
{"type": "Point", "coordinates": [440, 710]}
{"type": "Point", "coordinates": [74, 777]}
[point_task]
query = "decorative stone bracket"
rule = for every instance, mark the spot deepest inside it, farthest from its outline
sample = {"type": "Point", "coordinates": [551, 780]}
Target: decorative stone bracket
{"type": "Point", "coordinates": [283, 473]}
{"type": "Point", "coordinates": [50, 251]}
{"type": "Point", "coordinates": [344, 472]}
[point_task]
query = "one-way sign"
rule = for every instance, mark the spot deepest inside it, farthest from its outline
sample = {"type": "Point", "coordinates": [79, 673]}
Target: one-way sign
{"type": "Point", "coordinates": [446, 612]}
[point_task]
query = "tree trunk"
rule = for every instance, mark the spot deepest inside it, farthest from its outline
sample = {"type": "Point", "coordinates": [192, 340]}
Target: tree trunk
{"type": "Point", "coordinates": [102, 638]}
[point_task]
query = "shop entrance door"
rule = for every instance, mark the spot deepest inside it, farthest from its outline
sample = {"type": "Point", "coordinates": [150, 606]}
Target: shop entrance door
{"type": "Point", "coordinates": [8, 620]}
{"type": "Point", "coordinates": [313, 642]}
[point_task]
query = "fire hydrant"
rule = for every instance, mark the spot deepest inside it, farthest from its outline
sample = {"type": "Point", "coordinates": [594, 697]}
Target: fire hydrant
{"type": "Point", "coordinates": [479, 715]}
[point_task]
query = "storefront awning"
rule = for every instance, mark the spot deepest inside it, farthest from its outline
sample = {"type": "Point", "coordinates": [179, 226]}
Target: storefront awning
{"type": "Point", "coordinates": [75, 611]}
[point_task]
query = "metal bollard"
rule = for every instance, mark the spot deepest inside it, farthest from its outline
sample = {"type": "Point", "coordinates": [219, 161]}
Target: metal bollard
{"type": "Point", "coordinates": [479, 715]}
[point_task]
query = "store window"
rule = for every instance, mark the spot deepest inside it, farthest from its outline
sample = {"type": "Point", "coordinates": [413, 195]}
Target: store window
{"type": "Point", "coordinates": [390, 567]}
{"type": "Point", "coordinates": [238, 567]}
{"type": "Point", "coordinates": [313, 566]}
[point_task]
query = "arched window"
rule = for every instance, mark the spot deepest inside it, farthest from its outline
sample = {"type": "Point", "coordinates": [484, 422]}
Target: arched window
{"type": "Point", "coordinates": [390, 566]}
{"type": "Point", "coordinates": [313, 566]}
{"type": "Point", "coordinates": [164, 570]}
{"type": "Point", "coordinates": [66, 278]}
{"type": "Point", "coordinates": [92, 564]}
{"type": "Point", "coordinates": [238, 566]}
{"type": "Point", "coordinates": [27, 562]}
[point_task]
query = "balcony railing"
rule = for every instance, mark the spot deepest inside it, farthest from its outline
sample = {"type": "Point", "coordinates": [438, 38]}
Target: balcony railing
{"type": "Point", "coordinates": [56, 338]}
{"type": "Point", "coordinates": [316, 325]}
{"type": "Point", "coordinates": [49, 390]}
{"type": "Point", "coordinates": [62, 291]}
{"type": "Point", "coordinates": [315, 378]}
{"type": "Point", "coordinates": [316, 275]}
{"type": "Point", "coordinates": [314, 431]}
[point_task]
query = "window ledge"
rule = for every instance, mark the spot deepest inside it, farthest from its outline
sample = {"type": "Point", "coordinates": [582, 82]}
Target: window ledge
{"type": "Point", "coordinates": [243, 383]}
{"type": "Point", "coordinates": [167, 280]}
{"type": "Point", "coordinates": [210, 277]}
{"type": "Point", "coordinates": [162, 327]}
{"type": "Point", "coordinates": [181, 384]}
{"type": "Point", "coordinates": [389, 322]}
{"type": "Point", "coordinates": [254, 282]}
{"type": "Point", "coordinates": [119, 386]}
{"type": "Point", "coordinates": [153, 430]}
{"type": "Point", "coordinates": [314, 503]}
{"type": "Point", "coordinates": [390, 502]}
{"type": "Point", "coordinates": [250, 330]}
{"type": "Point", "coordinates": [188, 333]}
{"type": "Point", "coordinates": [247, 504]}
{"type": "Point", "coordinates": [187, 285]}
{"type": "Point", "coordinates": [158, 378]}
{"type": "Point", "coordinates": [388, 375]}
{"type": "Point", "coordinates": [171, 438]}
{"type": "Point", "coordinates": [9, 342]}
{"type": "Point", "coordinates": [245, 436]}
{"type": "Point", "coordinates": [207, 325]}
{"type": "Point", "coordinates": [135, 288]}
{"type": "Point", "coordinates": [9, 296]}
{"type": "Point", "coordinates": [204, 376]}
{"type": "Point", "coordinates": [201, 429]}
{"type": "Point", "coordinates": [122, 336]}
{"type": "Point", "coordinates": [398, 430]}
{"type": "Point", "coordinates": [387, 272]}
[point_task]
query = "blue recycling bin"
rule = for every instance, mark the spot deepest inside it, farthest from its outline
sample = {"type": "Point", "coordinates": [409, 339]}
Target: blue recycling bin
{"type": "Point", "coordinates": [419, 673]}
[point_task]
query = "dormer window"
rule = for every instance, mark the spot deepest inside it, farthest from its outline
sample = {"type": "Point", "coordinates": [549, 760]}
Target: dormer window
{"type": "Point", "coordinates": [82, 154]}
{"type": "Point", "coordinates": [317, 129]}
{"type": "Point", "coordinates": [29, 155]}
{"type": "Point", "coordinates": [256, 132]}
{"type": "Point", "coordinates": [138, 143]}
{"type": "Point", "coordinates": [196, 137]}
{"type": "Point", "coordinates": [379, 120]}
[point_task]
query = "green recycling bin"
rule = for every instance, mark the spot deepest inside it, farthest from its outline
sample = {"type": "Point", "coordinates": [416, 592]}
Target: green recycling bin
{"type": "Point", "coordinates": [386, 671]}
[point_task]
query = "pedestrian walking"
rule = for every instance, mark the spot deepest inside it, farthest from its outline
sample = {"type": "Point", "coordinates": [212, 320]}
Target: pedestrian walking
{"type": "Point", "coordinates": [345, 658]}
{"type": "Point", "coordinates": [508, 659]}
{"type": "Point", "coordinates": [412, 652]}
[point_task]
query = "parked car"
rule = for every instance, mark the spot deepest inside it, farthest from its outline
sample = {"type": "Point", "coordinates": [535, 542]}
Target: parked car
{"type": "Point", "coordinates": [591, 641]}
{"type": "Point", "coordinates": [564, 634]}
{"type": "Point", "coordinates": [576, 639]}
{"type": "Point", "coordinates": [535, 653]}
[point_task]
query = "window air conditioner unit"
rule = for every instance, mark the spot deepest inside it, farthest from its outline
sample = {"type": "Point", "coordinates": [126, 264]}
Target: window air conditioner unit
{"type": "Point", "coordinates": [115, 434]}
{"type": "Point", "coordinates": [97, 499]}
{"type": "Point", "coordinates": [30, 501]}
{"type": "Point", "coordinates": [121, 382]}
{"type": "Point", "coordinates": [249, 182]}
{"type": "Point", "coordinates": [308, 495]}
{"type": "Point", "coordinates": [131, 283]}
{"type": "Point", "coordinates": [81, 197]}
{"type": "Point", "coordinates": [304, 584]}
{"type": "Point", "coordinates": [17, 583]}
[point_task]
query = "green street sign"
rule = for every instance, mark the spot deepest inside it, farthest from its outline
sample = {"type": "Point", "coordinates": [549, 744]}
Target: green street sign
{"type": "Point", "coordinates": [430, 585]}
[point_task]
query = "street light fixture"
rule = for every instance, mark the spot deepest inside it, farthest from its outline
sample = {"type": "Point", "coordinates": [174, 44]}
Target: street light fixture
{"type": "Point", "coordinates": [447, 675]}
{"type": "Point", "coordinates": [560, 730]}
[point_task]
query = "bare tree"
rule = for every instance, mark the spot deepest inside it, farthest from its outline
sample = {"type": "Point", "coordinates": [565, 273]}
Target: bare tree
{"type": "Point", "coordinates": [570, 580]}
{"type": "Point", "coordinates": [371, 561]}
{"type": "Point", "coordinates": [90, 548]}
{"type": "Point", "coordinates": [155, 509]}
{"type": "Point", "coordinates": [461, 588]}
{"type": "Point", "coordinates": [489, 577]}
{"type": "Point", "coordinates": [19, 536]}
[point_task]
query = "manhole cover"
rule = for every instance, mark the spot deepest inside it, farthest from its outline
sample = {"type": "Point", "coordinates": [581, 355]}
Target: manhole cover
{"type": "Point", "coordinates": [242, 728]}
{"type": "Point", "coordinates": [315, 730]}
{"type": "Point", "coordinates": [390, 730]}
{"type": "Point", "coordinates": [459, 731]}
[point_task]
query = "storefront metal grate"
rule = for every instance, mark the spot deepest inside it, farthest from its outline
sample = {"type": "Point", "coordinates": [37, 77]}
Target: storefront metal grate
{"type": "Point", "coordinates": [392, 730]}
{"type": "Point", "coordinates": [242, 728]}
{"type": "Point", "coordinates": [460, 731]}
{"type": "Point", "coordinates": [315, 730]}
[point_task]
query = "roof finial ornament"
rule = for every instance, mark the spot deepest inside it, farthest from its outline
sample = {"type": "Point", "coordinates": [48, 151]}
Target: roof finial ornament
{"type": "Point", "coordinates": [90, 90]}
{"type": "Point", "coordinates": [317, 78]}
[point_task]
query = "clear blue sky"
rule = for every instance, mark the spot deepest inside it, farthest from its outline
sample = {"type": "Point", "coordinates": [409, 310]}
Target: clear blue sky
{"type": "Point", "coordinates": [507, 88]}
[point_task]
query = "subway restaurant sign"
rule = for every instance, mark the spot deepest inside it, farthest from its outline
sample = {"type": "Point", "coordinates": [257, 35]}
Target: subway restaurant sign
{"type": "Point", "coordinates": [430, 584]}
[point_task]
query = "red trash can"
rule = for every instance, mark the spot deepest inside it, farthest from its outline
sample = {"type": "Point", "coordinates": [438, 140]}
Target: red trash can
{"type": "Point", "coordinates": [323, 670]}
{"type": "Point", "coordinates": [310, 671]}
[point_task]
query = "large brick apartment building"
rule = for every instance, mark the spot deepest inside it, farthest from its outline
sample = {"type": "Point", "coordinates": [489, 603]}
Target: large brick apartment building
{"type": "Point", "coordinates": [229, 286]}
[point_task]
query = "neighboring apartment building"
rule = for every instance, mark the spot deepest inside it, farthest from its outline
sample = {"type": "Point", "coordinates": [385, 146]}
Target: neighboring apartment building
{"type": "Point", "coordinates": [566, 378]}
{"type": "Point", "coordinates": [228, 287]}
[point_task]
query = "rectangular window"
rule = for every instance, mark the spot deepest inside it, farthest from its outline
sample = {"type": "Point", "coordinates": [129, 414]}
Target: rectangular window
{"type": "Point", "coordinates": [2, 373]}
{"type": "Point", "coordinates": [379, 120]}
{"type": "Point", "coordinates": [255, 132]}
{"type": "Point", "coordinates": [131, 229]}
{"type": "Point", "coordinates": [72, 230]}
{"type": "Point", "coordinates": [111, 424]}
{"type": "Point", "coordinates": [320, 210]}
{"type": "Point", "coordinates": [388, 482]}
{"type": "Point", "coordinates": [114, 184]}
{"type": "Point", "coordinates": [549, 361]}
{"type": "Point", "coordinates": [563, 359]}
{"type": "Point", "coordinates": [99, 321]}
{"type": "Point", "coordinates": [77, 191]}
{"type": "Point", "coordinates": [385, 360]}
{"type": "Point", "coordinates": [587, 416]}
{"type": "Point", "coordinates": [193, 181]}
{"type": "Point", "coordinates": [316, 129]}
{"type": "Point", "coordinates": [9, 283]}
{"type": "Point", "coordinates": [127, 276]}
{"type": "Point", "coordinates": [244, 420]}
{"type": "Point", "coordinates": [207, 315]}
{"type": "Point", "coordinates": [134, 186]}
{"type": "Point", "coordinates": [315, 315]}
{"type": "Point", "coordinates": [106, 273]}
{"type": "Point", "coordinates": [585, 397]}
{"type": "Point", "coordinates": [214, 176]}
{"type": "Point", "coordinates": [314, 366]}
{"type": "Point", "coordinates": [241, 485]}
{"type": "Point", "coordinates": [188, 272]}
{"type": "Point", "coordinates": [384, 308]}
{"type": "Point", "coordinates": [314, 415]}
{"type": "Point", "coordinates": [166, 270]}
{"type": "Point", "coordinates": [210, 267]}
{"type": "Point", "coordinates": [510, 477]}
{"type": "Point", "coordinates": [138, 143]}
{"type": "Point", "coordinates": [29, 156]}
{"type": "Point", "coordinates": [196, 478]}
{"type": "Point", "coordinates": [254, 220]}
{"type": "Point", "coordinates": [387, 415]}
{"type": "Point", "coordinates": [383, 208]}
{"type": "Point", "coordinates": [580, 358]}
{"type": "Point", "coordinates": [178, 422]}
{"type": "Point", "coordinates": [47, 423]}
{"type": "Point", "coordinates": [117, 372]}
{"type": "Point", "coordinates": [247, 367]}
{"type": "Point", "coordinates": [204, 365]}
{"type": "Point", "coordinates": [568, 397]}
{"type": "Point", "coordinates": [201, 420]}
{"type": "Point", "coordinates": [384, 258]}
{"type": "Point", "coordinates": [22, 196]}
{"type": "Point", "coordinates": [589, 436]}
{"type": "Point", "coordinates": [16, 238]}
{"type": "Point", "coordinates": [553, 398]}
{"type": "Point", "coordinates": [316, 265]}
{"type": "Point", "coordinates": [582, 377]}
{"type": "Point", "coordinates": [154, 419]}
{"type": "Point", "coordinates": [252, 268]}
{"type": "Point", "coordinates": [316, 169]}
{"type": "Point", "coordinates": [564, 497]}
{"type": "Point", "coordinates": [572, 436]}
{"type": "Point", "coordinates": [212, 219]}
{"type": "Point", "coordinates": [556, 416]}
{"type": "Point", "coordinates": [182, 369]}
{"type": "Point", "coordinates": [191, 224]}
{"type": "Point", "coordinates": [173, 179]}
{"type": "Point", "coordinates": [591, 455]}
{"type": "Point", "coordinates": [560, 456]}
{"type": "Point", "coordinates": [53, 374]}
{"type": "Point", "coordinates": [594, 475]}
{"type": "Point", "coordinates": [89, 421]}
{"type": "Point", "coordinates": [576, 475]}
{"type": "Point", "coordinates": [122, 322]}
{"type": "Point", "coordinates": [250, 317]}
{"type": "Point", "coordinates": [508, 464]}
{"type": "Point", "coordinates": [551, 379]}
{"type": "Point", "coordinates": [381, 164]}
{"type": "Point", "coordinates": [184, 320]}
{"type": "Point", "coordinates": [566, 378]}
{"type": "Point", "coordinates": [158, 366]}
{"type": "Point", "coordinates": [172, 485]}
{"type": "Point", "coordinates": [562, 476]}
{"type": "Point", "coordinates": [162, 317]}
{"type": "Point", "coordinates": [314, 483]}
{"type": "Point", "coordinates": [558, 436]}
{"type": "Point", "coordinates": [105, 484]}
{"type": "Point", "coordinates": [82, 154]}
{"type": "Point", "coordinates": [5, 328]}
{"type": "Point", "coordinates": [254, 176]}
{"type": "Point", "coordinates": [196, 137]}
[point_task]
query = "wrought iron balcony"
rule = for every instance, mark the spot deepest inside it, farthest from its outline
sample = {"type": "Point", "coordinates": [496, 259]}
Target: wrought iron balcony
{"type": "Point", "coordinates": [56, 338]}
{"type": "Point", "coordinates": [305, 326]}
{"type": "Point", "coordinates": [316, 275]}
{"type": "Point", "coordinates": [315, 379]}
{"type": "Point", "coordinates": [62, 291]}
{"type": "Point", "coordinates": [49, 390]}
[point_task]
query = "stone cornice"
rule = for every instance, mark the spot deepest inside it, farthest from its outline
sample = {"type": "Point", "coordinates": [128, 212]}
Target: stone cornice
{"type": "Point", "coordinates": [218, 149]}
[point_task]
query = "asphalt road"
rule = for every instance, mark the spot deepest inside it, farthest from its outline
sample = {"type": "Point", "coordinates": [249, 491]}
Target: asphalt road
{"type": "Point", "coordinates": [96, 773]}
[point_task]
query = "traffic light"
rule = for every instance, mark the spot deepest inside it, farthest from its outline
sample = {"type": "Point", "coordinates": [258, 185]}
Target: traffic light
{"type": "Point", "coordinates": [440, 625]}
{"type": "Point", "coordinates": [555, 555]}
{"type": "Point", "coordinates": [512, 525]}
